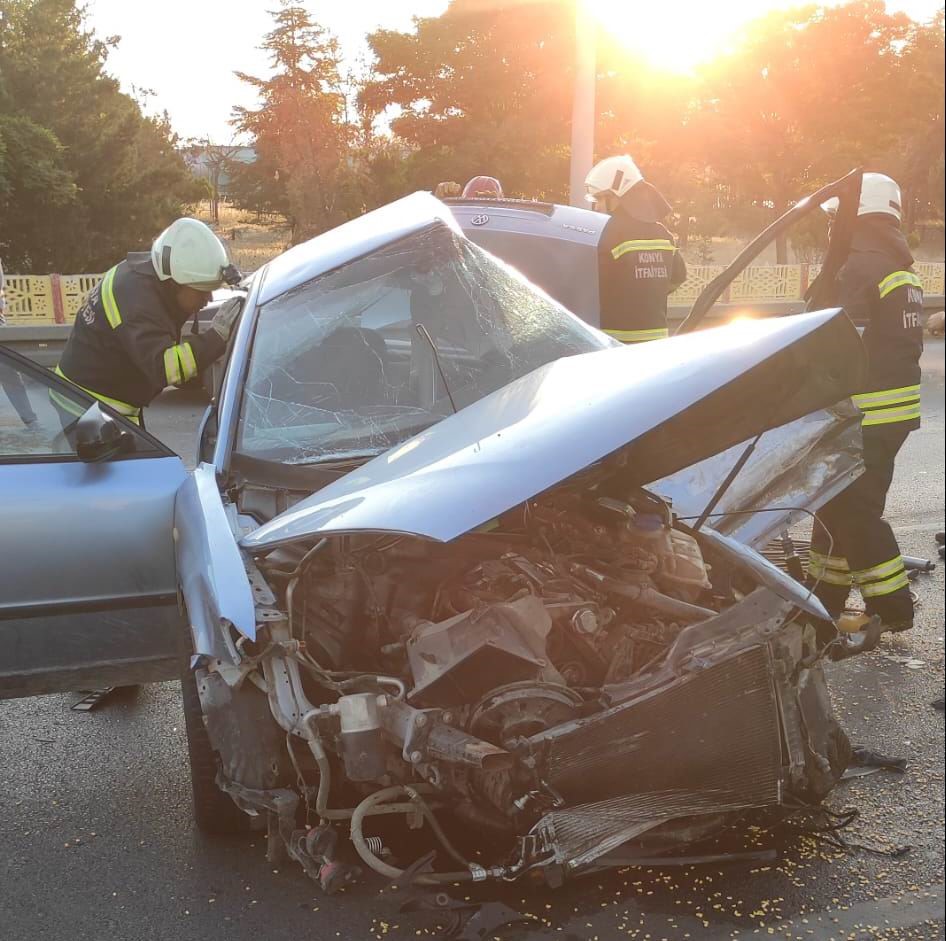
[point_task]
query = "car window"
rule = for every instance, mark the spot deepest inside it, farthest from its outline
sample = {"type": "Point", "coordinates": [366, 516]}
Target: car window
{"type": "Point", "coordinates": [370, 354]}
{"type": "Point", "coordinates": [38, 412]}
{"type": "Point", "coordinates": [29, 422]}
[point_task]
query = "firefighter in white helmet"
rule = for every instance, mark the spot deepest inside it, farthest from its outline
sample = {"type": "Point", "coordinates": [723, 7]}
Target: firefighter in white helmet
{"type": "Point", "coordinates": [638, 263]}
{"type": "Point", "coordinates": [126, 345]}
{"type": "Point", "coordinates": [878, 289]}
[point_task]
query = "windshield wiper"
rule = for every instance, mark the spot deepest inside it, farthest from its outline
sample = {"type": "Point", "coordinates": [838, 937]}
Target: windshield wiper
{"type": "Point", "coordinates": [422, 331]}
{"type": "Point", "coordinates": [338, 457]}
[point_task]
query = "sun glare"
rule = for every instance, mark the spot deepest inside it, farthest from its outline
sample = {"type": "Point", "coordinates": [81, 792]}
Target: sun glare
{"type": "Point", "coordinates": [676, 36]}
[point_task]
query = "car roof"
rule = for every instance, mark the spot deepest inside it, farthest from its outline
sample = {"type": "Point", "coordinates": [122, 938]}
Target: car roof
{"type": "Point", "coordinates": [529, 217]}
{"type": "Point", "coordinates": [352, 240]}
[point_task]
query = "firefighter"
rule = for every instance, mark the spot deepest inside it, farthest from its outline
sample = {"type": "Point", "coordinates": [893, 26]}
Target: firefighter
{"type": "Point", "coordinates": [481, 187]}
{"type": "Point", "coordinates": [638, 263]}
{"type": "Point", "coordinates": [877, 287]}
{"type": "Point", "coordinates": [125, 346]}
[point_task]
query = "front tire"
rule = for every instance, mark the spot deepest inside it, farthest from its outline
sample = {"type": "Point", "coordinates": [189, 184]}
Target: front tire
{"type": "Point", "coordinates": [214, 811]}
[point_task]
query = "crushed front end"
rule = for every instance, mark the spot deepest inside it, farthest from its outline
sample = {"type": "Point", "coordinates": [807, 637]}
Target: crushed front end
{"type": "Point", "coordinates": [580, 680]}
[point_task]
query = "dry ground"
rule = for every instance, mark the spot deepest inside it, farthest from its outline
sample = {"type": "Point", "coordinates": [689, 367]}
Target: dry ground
{"type": "Point", "coordinates": [251, 241]}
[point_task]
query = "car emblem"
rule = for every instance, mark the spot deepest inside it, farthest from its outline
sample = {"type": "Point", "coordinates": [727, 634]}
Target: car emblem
{"type": "Point", "coordinates": [480, 219]}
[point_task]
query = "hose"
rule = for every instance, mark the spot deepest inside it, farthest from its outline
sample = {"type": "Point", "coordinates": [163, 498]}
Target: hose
{"type": "Point", "coordinates": [325, 784]}
{"type": "Point", "coordinates": [346, 813]}
{"type": "Point", "coordinates": [369, 807]}
{"type": "Point", "coordinates": [672, 607]}
{"type": "Point", "coordinates": [647, 597]}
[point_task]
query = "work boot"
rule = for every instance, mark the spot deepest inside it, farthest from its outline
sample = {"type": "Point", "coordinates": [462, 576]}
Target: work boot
{"type": "Point", "coordinates": [898, 627]}
{"type": "Point", "coordinates": [853, 623]}
{"type": "Point", "coordinates": [857, 633]}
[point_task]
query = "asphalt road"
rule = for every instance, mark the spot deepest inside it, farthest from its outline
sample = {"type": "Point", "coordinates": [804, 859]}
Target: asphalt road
{"type": "Point", "coordinates": [97, 840]}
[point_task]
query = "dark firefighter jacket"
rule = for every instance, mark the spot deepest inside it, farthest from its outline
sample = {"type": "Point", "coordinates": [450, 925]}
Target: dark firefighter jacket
{"type": "Point", "coordinates": [878, 288]}
{"type": "Point", "coordinates": [125, 346]}
{"type": "Point", "coordinates": [638, 266]}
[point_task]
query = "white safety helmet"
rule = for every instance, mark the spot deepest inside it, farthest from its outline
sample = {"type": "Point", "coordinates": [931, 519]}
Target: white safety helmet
{"type": "Point", "coordinates": [188, 253]}
{"type": "Point", "coordinates": [614, 175]}
{"type": "Point", "coordinates": [879, 193]}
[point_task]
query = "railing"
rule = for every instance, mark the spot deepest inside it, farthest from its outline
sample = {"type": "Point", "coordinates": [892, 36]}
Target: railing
{"type": "Point", "coordinates": [780, 282]}
{"type": "Point", "coordinates": [39, 300]}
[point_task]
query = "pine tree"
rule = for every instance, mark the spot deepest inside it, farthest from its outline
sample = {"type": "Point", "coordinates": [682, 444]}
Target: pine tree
{"type": "Point", "coordinates": [299, 131]}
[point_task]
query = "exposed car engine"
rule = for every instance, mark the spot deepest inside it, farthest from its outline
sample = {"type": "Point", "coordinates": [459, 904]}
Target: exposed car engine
{"type": "Point", "coordinates": [565, 594]}
{"type": "Point", "coordinates": [510, 675]}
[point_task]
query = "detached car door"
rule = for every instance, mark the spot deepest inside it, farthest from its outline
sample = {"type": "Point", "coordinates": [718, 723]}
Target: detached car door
{"type": "Point", "coordinates": [87, 576]}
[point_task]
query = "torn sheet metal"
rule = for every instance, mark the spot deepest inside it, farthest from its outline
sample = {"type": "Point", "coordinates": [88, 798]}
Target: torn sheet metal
{"type": "Point", "coordinates": [794, 469]}
{"type": "Point", "coordinates": [213, 579]}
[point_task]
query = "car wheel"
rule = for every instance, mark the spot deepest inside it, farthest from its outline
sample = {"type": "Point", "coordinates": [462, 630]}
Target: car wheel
{"type": "Point", "coordinates": [214, 811]}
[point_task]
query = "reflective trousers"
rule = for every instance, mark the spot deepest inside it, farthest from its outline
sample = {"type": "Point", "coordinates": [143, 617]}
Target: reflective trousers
{"type": "Point", "coordinates": [863, 550]}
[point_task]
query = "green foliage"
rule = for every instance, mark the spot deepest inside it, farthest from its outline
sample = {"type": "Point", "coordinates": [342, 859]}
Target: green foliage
{"type": "Point", "coordinates": [257, 187]}
{"type": "Point", "coordinates": [916, 157]}
{"type": "Point", "coordinates": [807, 94]}
{"type": "Point", "coordinates": [809, 238]}
{"type": "Point", "coordinates": [115, 178]}
{"type": "Point", "coordinates": [34, 187]}
{"type": "Point", "coordinates": [484, 88]}
{"type": "Point", "coordinates": [803, 96]}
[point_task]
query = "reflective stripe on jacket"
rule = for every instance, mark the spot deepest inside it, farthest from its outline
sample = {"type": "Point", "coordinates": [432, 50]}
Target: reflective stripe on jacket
{"type": "Point", "coordinates": [638, 336]}
{"type": "Point", "coordinates": [638, 266]}
{"type": "Point", "coordinates": [887, 406]}
{"type": "Point", "coordinates": [131, 412]}
{"type": "Point", "coordinates": [876, 288]}
{"type": "Point", "coordinates": [126, 344]}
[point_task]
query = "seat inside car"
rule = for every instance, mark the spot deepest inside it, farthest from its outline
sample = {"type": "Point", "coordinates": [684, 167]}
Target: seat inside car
{"type": "Point", "coordinates": [353, 360]}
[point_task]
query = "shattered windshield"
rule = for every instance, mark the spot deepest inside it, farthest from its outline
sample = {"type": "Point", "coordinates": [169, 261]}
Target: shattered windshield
{"type": "Point", "coordinates": [359, 359]}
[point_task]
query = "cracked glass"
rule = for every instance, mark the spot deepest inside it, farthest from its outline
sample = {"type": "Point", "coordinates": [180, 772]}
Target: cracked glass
{"type": "Point", "coordinates": [358, 360]}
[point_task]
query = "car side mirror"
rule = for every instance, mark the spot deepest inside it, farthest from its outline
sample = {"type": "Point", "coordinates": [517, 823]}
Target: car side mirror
{"type": "Point", "coordinates": [98, 437]}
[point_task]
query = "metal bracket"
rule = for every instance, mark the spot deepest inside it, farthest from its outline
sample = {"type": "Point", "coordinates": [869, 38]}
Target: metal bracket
{"type": "Point", "coordinates": [416, 732]}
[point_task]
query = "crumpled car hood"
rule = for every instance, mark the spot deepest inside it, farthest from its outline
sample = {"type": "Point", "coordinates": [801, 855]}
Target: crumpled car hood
{"type": "Point", "coordinates": [664, 405]}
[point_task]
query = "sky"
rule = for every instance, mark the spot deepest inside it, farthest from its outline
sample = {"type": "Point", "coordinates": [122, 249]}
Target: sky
{"type": "Point", "coordinates": [186, 51]}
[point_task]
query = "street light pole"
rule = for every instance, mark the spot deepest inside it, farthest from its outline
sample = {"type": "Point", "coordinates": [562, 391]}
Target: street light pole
{"type": "Point", "coordinates": [583, 105]}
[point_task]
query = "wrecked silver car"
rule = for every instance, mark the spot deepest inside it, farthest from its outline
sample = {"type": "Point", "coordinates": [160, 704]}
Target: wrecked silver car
{"type": "Point", "coordinates": [455, 565]}
{"type": "Point", "coordinates": [453, 557]}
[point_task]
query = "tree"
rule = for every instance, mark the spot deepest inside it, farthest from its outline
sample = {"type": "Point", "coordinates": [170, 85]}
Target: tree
{"type": "Point", "coordinates": [34, 187]}
{"type": "Point", "coordinates": [916, 157]}
{"type": "Point", "coordinates": [647, 112]}
{"type": "Point", "coordinates": [807, 94]}
{"type": "Point", "coordinates": [258, 187]}
{"type": "Point", "coordinates": [483, 88]}
{"type": "Point", "coordinates": [218, 160]}
{"type": "Point", "coordinates": [129, 180]}
{"type": "Point", "coordinates": [299, 131]}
